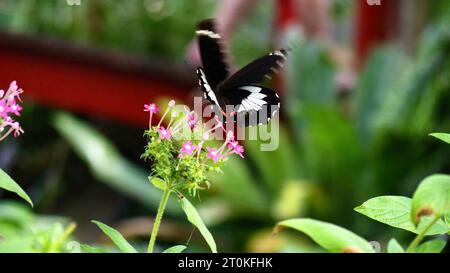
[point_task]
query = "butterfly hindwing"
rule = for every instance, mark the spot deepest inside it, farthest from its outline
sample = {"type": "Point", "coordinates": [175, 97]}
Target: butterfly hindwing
{"type": "Point", "coordinates": [211, 52]}
{"type": "Point", "coordinates": [256, 71]}
{"type": "Point", "coordinates": [253, 104]}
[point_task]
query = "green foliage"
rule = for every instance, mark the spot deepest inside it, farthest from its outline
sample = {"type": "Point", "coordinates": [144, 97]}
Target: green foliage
{"type": "Point", "coordinates": [196, 220]}
{"type": "Point", "coordinates": [22, 231]}
{"type": "Point", "coordinates": [395, 211]}
{"type": "Point", "coordinates": [394, 247]}
{"type": "Point", "coordinates": [432, 198]}
{"type": "Point", "coordinates": [7, 183]}
{"type": "Point", "coordinates": [91, 249]}
{"type": "Point", "coordinates": [116, 237]}
{"type": "Point", "coordinates": [432, 246]}
{"type": "Point", "coordinates": [175, 249]}
{"type": "Point", "coordinates": [331, 237]}
{"type": "Point", "coordinates": [442, 136]}
{"type": "Point", "coordinates": [106, 163]}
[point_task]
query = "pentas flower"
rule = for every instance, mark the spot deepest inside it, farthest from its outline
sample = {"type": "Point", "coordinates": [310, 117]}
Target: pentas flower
{"type": "Point", "coordinates": [152, 108]}
{"type": "Point", "coordinates": [164, 133]}
{"type": "Point", "coordinates": [8, 108]}
{"type": "Point", "coordinates": [236, 148]}
{"type": "Point", "coordinates": [213, 154]}
{"type": "Point", "coordinates": [180, 150]}
{"type": "Point", "coordinates": [187, 148]}
{"type": "Point", "coordinates": [191, 120]}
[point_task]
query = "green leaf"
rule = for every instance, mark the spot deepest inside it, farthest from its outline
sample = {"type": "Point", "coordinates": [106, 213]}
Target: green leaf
{"type": "Point", "coordinates": [331, 237]}
{"type": "Point", "coordinates": [116, 237]}
{"type": "Point", "coordinates": [394, 247]}
{"type": "Point", "coordinates": [395, 211]}
{"type": "Point", "coordinates": [432, 246]}
{"type": "Point", "coordinates": [107, 164]}
{"type": "Point", "coordinates": [7, 183]}
{"type": "Point", "coordinates": [442, 136]}
{"type": "Point", "coordinates": [195, 219]}
{"type": "Point", "coordinates": [92, 249]}
{"type": "Point", "coordinates": [432, 197]}
{"type": "Point", "coordinates": [157, 182]}
{"type": "Point", "coordinates": [175, 249]}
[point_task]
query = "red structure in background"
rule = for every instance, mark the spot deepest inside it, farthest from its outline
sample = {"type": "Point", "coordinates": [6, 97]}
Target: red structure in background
{"type": "Point", "coordinates": [111, 85]}
{"type": "Point", "coordinates": [375, 24]}
{"type": "Point", "coordinates": [89, 81]}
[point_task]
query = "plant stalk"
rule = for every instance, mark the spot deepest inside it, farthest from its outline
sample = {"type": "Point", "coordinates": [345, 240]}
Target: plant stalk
{"type": "Point", "coordinates": [420, 236]}
{"type": "Point", "coordinates": [161, 208]}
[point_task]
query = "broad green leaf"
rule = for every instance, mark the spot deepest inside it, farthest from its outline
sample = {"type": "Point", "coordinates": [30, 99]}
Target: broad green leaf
{"type": "Point", "coordinates": [442, 136]}
{"type": "Point", "coordinates": [116, 237]}
{"type": "Point", "coordinates": [106, 163]}
{"type": "Point", "coordinates": [394, 247]}
{"type": "Point", "coordinates": [157, 182]}
{"type": "Point", "coordinates": [395, 211]}
{"type": "Point", "coordinates": [432, 246]}
{"type": "Point", "coordinates": [195, 219]}
{"type": "Point", "coordinates": [7, 183]}
{"type": "Point", "coordinates": [175, 249]}
{"type": "Point", "coordinates": [331, 237]}
{"type": "Point", "coordinates": [92, 249]}
{"type": "Point", "coordinates": [432, 197]}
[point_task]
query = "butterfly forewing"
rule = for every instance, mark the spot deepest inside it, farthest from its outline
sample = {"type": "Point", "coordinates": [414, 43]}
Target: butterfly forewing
{"type": "Point", "coordinates": [256, 71]}
{"type": "Point", "coordinates": [212, 53]}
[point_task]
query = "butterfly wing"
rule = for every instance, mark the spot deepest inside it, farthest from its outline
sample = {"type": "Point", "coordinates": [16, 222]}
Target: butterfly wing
{"type": "Point", "coordinates": [253, 105]}
{"type": "Point", "coordinates": [206, 87]}
{"type": "Point", "coordinates": [256, 71]}
{"type": "Point", "coordinates": [211, 52]}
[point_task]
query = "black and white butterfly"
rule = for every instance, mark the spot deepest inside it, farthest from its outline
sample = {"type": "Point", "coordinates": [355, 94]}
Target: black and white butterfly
{"type": "Point", "coordinates": [253, 103]}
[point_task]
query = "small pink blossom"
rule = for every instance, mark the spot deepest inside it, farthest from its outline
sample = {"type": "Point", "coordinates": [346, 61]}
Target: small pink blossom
{"type": "Point", "coordinates": [236, 148]}
{"type": "Point", "coordinates": [15, 108]}
{"type": "Point", "coordinates": [187, 148]}
{"type": "Point", "coordinates": [4, 109]}
{"type": "Point", "coordinates": [171, 103]}
{"type": "Point", "coordinates": [13, 86]}
{"type": "Point", "coordinates": [152, 108]}
{"type": "Point", "coordinates": [164, 133]}
{"type": "Point", "coordinates": [213, 154]}
{"type": "Point", "coordinates": [191, 120]}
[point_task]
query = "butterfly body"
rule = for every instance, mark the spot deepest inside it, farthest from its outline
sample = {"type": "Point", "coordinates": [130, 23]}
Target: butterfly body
{"type": "Point", "coordinates": [255, 104]}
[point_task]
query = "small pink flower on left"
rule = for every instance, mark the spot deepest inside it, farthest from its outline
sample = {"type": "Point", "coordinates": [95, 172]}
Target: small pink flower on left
{"type": "Point", "coordinates": [152, 108]}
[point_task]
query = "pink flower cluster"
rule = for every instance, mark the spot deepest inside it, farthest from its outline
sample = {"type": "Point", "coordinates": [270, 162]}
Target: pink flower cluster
{"type": "Point", "coordinates": [191, 121]}
{"type": "Point", "coordinates": [8, 109]}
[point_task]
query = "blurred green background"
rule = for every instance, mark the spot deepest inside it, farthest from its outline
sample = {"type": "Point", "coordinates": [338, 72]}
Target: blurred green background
{"type": "Point", "coordinates": [337, 149]}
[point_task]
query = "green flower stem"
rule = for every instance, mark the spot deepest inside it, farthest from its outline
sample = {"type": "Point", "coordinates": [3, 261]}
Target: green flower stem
{"type": "Point", "coordinates": [161, 208]}
{"type": "Point", "coordinates": [420, 236]}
